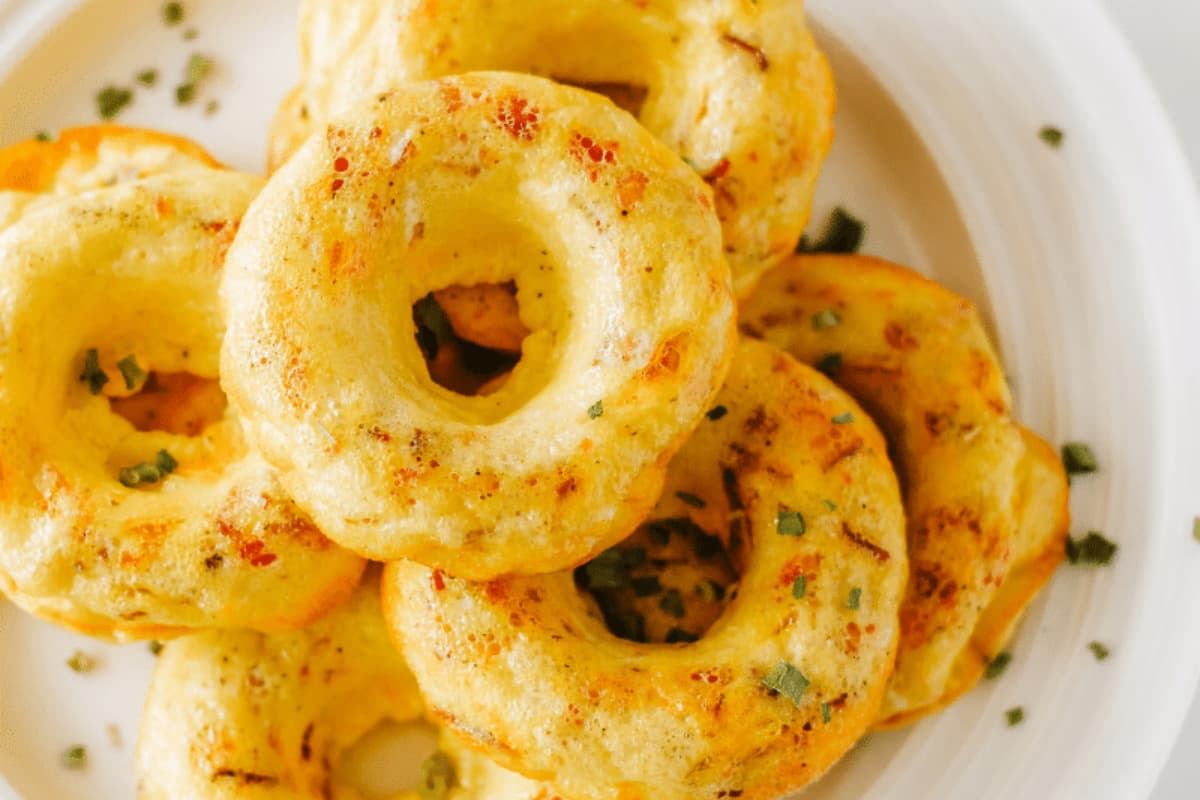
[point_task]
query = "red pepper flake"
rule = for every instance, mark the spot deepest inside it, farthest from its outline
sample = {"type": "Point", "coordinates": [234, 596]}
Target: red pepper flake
{"type": "Point", "coordinates": [341, 164]}
{"type": "Point", "coordinates": [718, 172]}
{"type": "Point", "coordinates": [252, 551]}
{"type": "Point", "coordinates": [439, 582]}
{"type": "Point", "coordinates": [519, 118]}
{"type": "Point", "coordinates": [337, 185]}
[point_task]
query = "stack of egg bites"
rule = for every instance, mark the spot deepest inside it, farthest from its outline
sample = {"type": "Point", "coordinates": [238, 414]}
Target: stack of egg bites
{"type": "Point", "coordinates": [663, 509]}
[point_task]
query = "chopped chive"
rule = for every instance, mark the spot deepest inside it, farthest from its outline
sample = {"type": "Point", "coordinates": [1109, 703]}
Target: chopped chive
{"type": "Point", "coordinates": [1079, 459]}
{"type": "Point", "coordinates": [92, 375]}
{"type": "Point", "coordinates": [787, 681]}
{"type": "Point", "coordinates": [606, 571]}
{"type": "Point", "coordinates": [43, 136]}
{"type": "Point", "coordinates": [185, 93]}
{"type": "Point", "coordinates": [789, 523]}
{"type": "Point", "coordinates": [690, 499]}
{"type": "Point", "coordinates": [843, 234]}
{"type": "Point", "coordinates": [716, 412]}
{"type": "Point", "coordinates": [1099, 650]}
{"type": "Point", "coordinates": [211, 107]}
{"type": "Point", "coordinates": [672, 603]}
{"type": "Point", "coordinates": [830, 364]}
{"type": "Point", "coordinates": [826, 713]}
{"type": "Point", "coordinates": [75, 757]}
{"type": "Point", "coordinates": [155, 647]}
{"type": "Point", "coordinates": [646, 587]}
{"type": "Point", "coordinates": [437, 777]}
{"type": "Point", "coordinates": [826, 318]}
{"type": "Point", "coordinates": [147, 77]}
{"type": "Point", "coordinates": [680, 636]}
{"type": "Point", "coordinates": [173, 13]}
{"type": "Point", "coordinates": [832, 506]}
{"type": "Point", "coordinates": [711, 591]}
{"type": "Point", "coordinates": [596, 410]}
{"type": "Point", "coordinates": [131, 372]}
{"type": "Point", "coordinates": [112, 100]}
{"type": "Point", "coordinates": [800, 587]}
{"type": "Point", "coordinates": [1015, 716]}
{"type": "Point", "coordinates": [855, 599]}
{"type": "Point", "coordinates": [842, 419]}
{"type": "Point", "coordinates": [1093, 550]}
{"type": "Point", "coordinates": [81, 662]}
{"type": "Point", "coordinates": [998, 664]}
{"type": "Point", "coordinates": [1051, 135]}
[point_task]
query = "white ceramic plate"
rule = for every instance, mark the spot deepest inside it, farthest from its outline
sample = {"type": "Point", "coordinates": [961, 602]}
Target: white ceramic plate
{"type": "Point", "coordinates": [1086, 258]}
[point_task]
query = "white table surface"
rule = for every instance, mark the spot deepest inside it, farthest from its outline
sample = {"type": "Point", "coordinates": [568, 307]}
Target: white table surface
{"type": "Point", "coordinates": [1166, 36]}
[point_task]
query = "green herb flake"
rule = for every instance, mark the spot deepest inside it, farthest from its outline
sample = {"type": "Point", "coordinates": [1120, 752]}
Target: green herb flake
{"type": "Point", "coordinates": [710, 591]}
{"type": "Point", "coordinates": [1015, 716]}
{"type": "Point", "coordinates": [789, 523]}
{"type": "Point", "coordinates": [433, 326]}
{"type": "Point", "coordinates": [211, 107]}
{"type": "Point", "coordinates": [146, 472]}
{"type": "Point", "coordinates": [826, 713]}
{"type": "Point", "coordinates": [606, 571]}
{"type": "Point", "coordinates": [680, 636]}
{"type": "Point", "coordinates": [155, 647]}
{"type": "Point", "coordinates": [842, 419]}
{"type": "Point", "coordinates": [165, 462]}
{"type": "Point", "coordinates": [147, 77]}
{"type": "Point", "coordinates": [596, 410]}
{"type": "Point", "coordinates": [843, 233]}
{"type": "Point", "coordinates": [706, 545]}
{"type": "Point", "coordinates": [629, 625]}
{"type": "Point", "coordinates": [1099, 650]}
{"type": "Point", "coordinates": [199, 67]}
{"type": "Point", "coordinates": [1079, 459]}
{"type": "Point", "coordinates": [646, 586]}
{"type": "Point", "coordinates": [855, 599]}
{"type": "Point", "coordinates": [672, 603]}
{"type": "Point", "coordinates": [1092, 550]}
{"type": "Point", "coordinates": [832, 506]}
{"type": "Point", "coordinates": [716, 412]}
{"type": "Point", "coordinates": [92, 375]}
{"type": "Point", "coordinates": [800, 587]}
{"type": "Point", "coordinates": [997, 665]}
{"type": "Point", "coordinates": [81, 662]}
{"type": "Point", "coordinates": [690, 499]}
{"type": "Point", "coordinates": [1196, 529]}
{"type": "Point", "coordinates": [827, 318]}
{"type": "Point", "coordinates": [829, 364]}
{"type": "Point", "coordinates": [43, 136]}
{"type": "Point", "coordinates": [75, 757]}
{"type": "Point", "coordinates": [112, 100]}
{"type": "Point", "coordinates": [173, 13]}
{"type": "Point", "coordinates": [787, 681]}
{"type": "Point", "coordinates": [131, 372]}
{"type": "Point", "coordinates": [1051, 135]}
{"type": "Point", "coordinates": [190, 34]}
{"type": "Point", "coordinates": [185, 93]}
{"type": "Point", "coordinates": [437, 777]}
